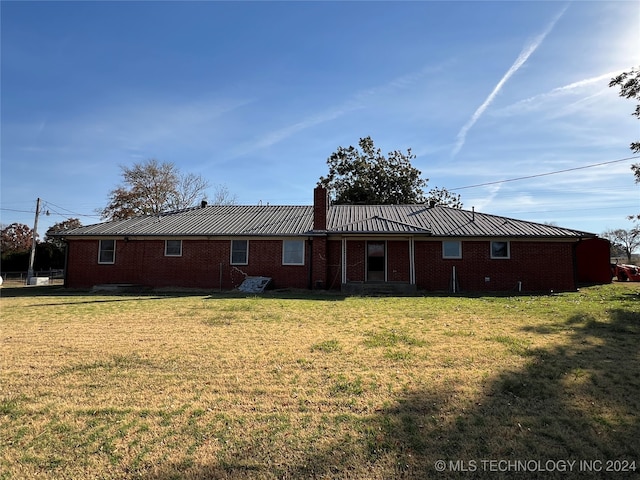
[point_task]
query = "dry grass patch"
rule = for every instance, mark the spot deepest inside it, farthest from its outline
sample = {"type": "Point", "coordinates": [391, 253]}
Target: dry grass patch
{"type": "Point", "coordinates": [227, 386]}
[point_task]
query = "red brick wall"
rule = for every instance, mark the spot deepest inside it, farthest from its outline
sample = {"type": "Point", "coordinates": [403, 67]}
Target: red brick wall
{"type": "Point", "coordinates": [356, 261]}
{"type": "Point", "coordinates": [142, 262]}
{"type": "Point", "coordinates": [319, 262]}
{"type": "Point", "coordinates": [593, 257]}
{"type": "Point", "coordinates": [398, 264]}
{"type": "Point", "coordinates": [540, 266]}
{"type": "Point", "coordinates": [334, 264]}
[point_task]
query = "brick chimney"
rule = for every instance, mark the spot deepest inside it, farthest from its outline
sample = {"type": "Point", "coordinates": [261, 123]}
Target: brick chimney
{"type": "Point", "coordinates": [320, 208]}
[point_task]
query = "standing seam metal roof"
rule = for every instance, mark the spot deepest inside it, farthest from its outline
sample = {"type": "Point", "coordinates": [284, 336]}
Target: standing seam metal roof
{"type": "Point", "coordinates": [271, 220]}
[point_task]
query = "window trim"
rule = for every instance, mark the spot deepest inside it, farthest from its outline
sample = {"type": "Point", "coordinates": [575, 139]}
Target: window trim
{"type": "Point", "coordinates": [452, 257]}
{"type": "Point", "coordinates": [166, 248]}
{"type": "Point", "coordinates": [494, 257]}
{"type": "Point", "coordinates": [302, 242]}
{"type": "Point", "coordinates": [101, 250]}
{"type": "Point", "coordinates": [246, 258]}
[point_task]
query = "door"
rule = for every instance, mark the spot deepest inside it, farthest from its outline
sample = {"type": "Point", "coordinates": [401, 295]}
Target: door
{"type": "Point", "coordinates": [376, 261]}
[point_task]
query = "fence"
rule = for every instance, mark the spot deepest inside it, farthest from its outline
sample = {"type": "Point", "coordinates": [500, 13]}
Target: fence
{"type": "Point", "coordinates": [22, 276]}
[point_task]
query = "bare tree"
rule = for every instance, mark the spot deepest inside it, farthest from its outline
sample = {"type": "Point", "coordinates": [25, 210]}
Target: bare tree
{"type": "Point", "coordinates": [626, 240]}
{"type": "Point", "coordinates": [222, 196]}
{"type": "Point", "coordinates": [190, 190]}
{"type": "Point", "coordinates": [152, 187]}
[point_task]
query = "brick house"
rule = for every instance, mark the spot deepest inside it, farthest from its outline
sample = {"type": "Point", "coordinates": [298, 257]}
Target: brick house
{"type": "Point", "coordinates": [337, 247]}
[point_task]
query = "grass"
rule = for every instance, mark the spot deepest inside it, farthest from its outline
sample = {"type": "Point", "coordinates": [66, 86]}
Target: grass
{"type": "Point", "coordinates": [288, 385]}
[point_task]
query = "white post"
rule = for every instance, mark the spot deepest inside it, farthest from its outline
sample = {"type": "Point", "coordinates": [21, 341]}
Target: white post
{"type": "Point", "coordinates": [454, 279]}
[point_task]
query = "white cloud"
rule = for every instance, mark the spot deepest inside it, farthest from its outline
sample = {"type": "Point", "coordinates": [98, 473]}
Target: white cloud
{"type": "Point", "coordinates": [481, 201]}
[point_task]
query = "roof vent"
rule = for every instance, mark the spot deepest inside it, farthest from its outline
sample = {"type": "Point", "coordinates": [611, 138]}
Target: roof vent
{"type": "Point", "coordinates": [203, 203]}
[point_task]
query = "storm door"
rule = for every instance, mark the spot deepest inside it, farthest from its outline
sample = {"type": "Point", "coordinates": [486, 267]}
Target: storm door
{"type": "Point", "coordinates": [376, 261]}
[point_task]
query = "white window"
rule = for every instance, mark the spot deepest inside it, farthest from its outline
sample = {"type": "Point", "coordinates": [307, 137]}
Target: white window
{"type": "Point", "coordinates": [239, 252]}
{"type": "Point", "coordinates": [500, 250]}
{"type": "Point", "coordinates": [173, 248]}
{"type": "Point", "coordinates": [107, 251]}
{"type": "Point", "coordinates": [293, 252]}
{"type": "Point", "coordinates": [451, 249]}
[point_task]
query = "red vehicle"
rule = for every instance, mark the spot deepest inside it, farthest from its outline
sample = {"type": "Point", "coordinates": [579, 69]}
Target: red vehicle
{"type": "Point", "coordinates": [625, 273]}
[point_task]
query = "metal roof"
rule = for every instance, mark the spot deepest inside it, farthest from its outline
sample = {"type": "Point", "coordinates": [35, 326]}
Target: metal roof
{"type": "Point", "coordinates": [215, 220]}
{"type": "Point", "coordinates": [375, 219]}
{"type": "Point", "coordinates": [270, 220]}
{"type": "Point", "coordinates": [437, 221]}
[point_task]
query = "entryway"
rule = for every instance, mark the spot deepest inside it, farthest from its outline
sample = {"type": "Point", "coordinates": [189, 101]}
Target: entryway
{"type": "Point", "coordinates": [376, 261]}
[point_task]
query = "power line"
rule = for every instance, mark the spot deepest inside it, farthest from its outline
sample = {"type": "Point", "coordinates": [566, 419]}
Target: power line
{"type": "Point", "coordinates": [556, 210]}
{"type": "Point", "coordinates": [14, 210]}
{"type": "Point", "coordinates": [48, 203]}
{"type": "Point", "coordinates": [48, 207]}
{"type": "Point", "coordinates": [546, 174]}
{"type": "Point", "coordinates": [52, 211]}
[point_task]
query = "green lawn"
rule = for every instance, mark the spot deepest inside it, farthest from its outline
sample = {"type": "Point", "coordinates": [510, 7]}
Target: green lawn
{"type": "Point", "coordinates": [288, 385]}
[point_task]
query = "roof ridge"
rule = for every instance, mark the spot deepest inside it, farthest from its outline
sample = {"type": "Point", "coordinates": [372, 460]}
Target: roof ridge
{"type": "Point", "coordinates": [403, 223]}
{"type": "Point", "coordinates": [378, 217]}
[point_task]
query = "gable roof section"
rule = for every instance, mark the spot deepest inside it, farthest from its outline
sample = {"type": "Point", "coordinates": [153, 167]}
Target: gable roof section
{"type": "Point", "coordinates": [374, 219]}
{"type": "Point", "coordinates": [272, 220]}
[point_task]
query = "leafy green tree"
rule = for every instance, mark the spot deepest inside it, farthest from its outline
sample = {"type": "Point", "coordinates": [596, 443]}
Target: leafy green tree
{"type": "Point", "coordinates": [365, 176]}
{"type": "Point", "coordinates": [442, 196]}
{"type": "Point", "coordinates": [629, 83]}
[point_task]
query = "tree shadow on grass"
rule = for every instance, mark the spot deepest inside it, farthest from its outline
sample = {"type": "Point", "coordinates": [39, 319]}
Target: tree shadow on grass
{"type": "Point", "coordinates": [576, 402]}
{"type": "Point", "coordinates": [579, 401]}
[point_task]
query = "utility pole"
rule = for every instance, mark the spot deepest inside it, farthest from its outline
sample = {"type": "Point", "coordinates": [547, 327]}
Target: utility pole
{"type": "Point", "coordinates": [32, 257]}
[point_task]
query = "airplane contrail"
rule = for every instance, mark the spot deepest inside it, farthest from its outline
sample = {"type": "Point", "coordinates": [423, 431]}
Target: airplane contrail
{"type": "Point", "coordinates": [522, 58]}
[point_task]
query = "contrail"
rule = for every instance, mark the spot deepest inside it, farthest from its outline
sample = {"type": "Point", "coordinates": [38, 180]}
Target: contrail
{"type": "Point", "coordinates": [522, 58]}
{"type": "Point", "coordinates": [566, 88]}
{"type": "Point", "coordinates": [357, 101]}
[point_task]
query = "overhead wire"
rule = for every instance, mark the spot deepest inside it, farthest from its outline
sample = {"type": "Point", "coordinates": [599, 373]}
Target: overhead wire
{"type": "Point", "coordinates": [527, 177]}
{"type": "Point", "coordinates": [47, 204]}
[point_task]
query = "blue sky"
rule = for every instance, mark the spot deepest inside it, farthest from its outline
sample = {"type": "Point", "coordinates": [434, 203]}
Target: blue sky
{"type": "Point", "coordinates": [257, 95]}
